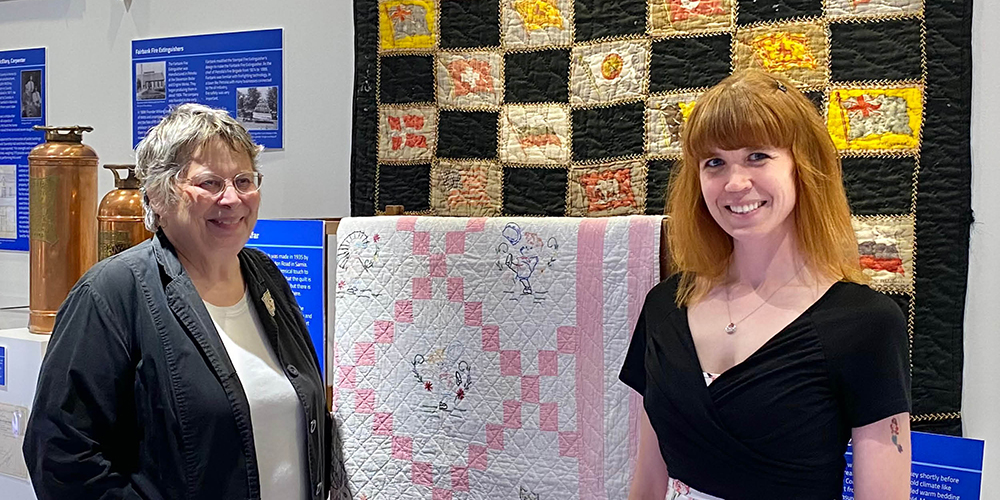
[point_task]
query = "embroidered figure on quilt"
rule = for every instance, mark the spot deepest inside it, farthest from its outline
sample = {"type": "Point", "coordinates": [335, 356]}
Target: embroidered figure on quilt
{"type": "Point", "coordinates": [526, 494]}
{"type": "Point", "coordinates": [524, 254]}
{"type": "Point", "coordinates": [357, 253]}
{"type": "Point", "coordinates": [444, 377]}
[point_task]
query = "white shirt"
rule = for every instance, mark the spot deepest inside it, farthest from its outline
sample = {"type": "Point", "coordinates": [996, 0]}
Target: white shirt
{"type": "Point", "coordinates": [279, 431]}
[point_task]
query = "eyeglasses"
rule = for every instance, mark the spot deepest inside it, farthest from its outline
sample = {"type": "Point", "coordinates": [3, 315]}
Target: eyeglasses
{"type": "Point", "coordinates": [244, 182]}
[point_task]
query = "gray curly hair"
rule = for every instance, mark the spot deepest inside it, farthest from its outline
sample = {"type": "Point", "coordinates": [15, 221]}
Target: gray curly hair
{"type": "Point", "coordinates": [166, 151]}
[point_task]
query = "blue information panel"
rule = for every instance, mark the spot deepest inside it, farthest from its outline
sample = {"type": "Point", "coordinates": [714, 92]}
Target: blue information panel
{"type": "Point", "coordinates": [296, 246]}
{"type": "Point", "coordinates": [3, 367]}
{"type": "Point", "coordinates": [239, 72]}
{"type": "Point", "coordinates": [22, 106]}
{"type": "Point", "coordinates": [944, 467]}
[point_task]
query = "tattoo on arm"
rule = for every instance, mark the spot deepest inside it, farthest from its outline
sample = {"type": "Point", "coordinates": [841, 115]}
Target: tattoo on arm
{"type": "Point", "coordinates": [894, 427]}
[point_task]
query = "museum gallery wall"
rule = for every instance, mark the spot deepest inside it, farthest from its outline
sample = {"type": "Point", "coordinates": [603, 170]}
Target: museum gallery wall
{"type": "Point", "coordinates": [563, 108]}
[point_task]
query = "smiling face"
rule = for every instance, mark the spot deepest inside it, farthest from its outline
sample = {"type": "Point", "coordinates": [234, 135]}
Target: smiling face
{"type": "Point", "coordinates": [750, 192]}
{"type": "Point", "coordinates": [202, 225]}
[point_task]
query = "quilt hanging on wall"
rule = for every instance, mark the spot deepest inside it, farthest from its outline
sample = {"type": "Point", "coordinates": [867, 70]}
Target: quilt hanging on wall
{"type": "Point", "coordinates": [574, 108]}
{"type": "Point", "coordinates": [479, 357]}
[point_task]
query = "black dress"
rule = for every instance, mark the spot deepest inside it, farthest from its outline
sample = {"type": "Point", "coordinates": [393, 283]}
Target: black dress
{"type": "Point", "coordinates": [776, 425]}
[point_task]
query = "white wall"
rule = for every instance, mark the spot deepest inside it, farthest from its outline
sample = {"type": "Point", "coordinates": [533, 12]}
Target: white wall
{"type": "Point", "coordinates": [89, 83]}
{"type": "Point", "coordinates": [981, 394]}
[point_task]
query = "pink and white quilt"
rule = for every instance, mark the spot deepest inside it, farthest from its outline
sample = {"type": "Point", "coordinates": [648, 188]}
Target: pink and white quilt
{"type": "Point", "coordinates": [478, 358]}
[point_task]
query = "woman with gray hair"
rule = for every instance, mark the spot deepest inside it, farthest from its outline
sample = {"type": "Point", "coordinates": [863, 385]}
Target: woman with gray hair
{"type": "Point", "coordinates": [182, 368]}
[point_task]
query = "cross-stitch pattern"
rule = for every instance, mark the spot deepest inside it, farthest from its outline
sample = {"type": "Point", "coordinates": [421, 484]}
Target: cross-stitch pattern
{"type": "Point", "coordinates": [482, 360]}
{"type": "Point", "coordinates": [575, 108]}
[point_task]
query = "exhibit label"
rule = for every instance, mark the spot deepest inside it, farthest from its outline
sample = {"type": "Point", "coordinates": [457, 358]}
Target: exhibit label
{"type": "Point", "coordinates": [22, 106]}
{"type": "Point", "coordinates": [297, 248]}
{"type": "Point", "coordinates": [944, 467]}
{"type": "Point", "coordinates": [239, 72]}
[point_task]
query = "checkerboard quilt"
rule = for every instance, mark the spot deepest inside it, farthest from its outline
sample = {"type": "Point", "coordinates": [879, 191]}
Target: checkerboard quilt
{"type": "Point", "coordinates": [574, 107]}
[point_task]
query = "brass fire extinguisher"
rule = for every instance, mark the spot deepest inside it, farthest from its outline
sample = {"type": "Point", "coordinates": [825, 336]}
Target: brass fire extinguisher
{"type": "Point", "coordinates": [62, 198]}
{"type": "Point", "coordinates": [120, 223]}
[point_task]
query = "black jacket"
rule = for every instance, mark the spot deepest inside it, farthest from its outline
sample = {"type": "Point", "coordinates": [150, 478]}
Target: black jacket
{"type": "Point", "coordinates": [137, 397]}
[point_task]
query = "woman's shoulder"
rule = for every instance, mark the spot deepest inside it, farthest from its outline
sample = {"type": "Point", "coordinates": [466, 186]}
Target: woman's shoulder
{"type": "Point", "coordinates": [664, 292]}
{"type": "Point", "coordinates": [855, 314]}
{"type": "Point", "coordinates": [120, 272]}
{"type": "Point", "coordinates": [854, 299]}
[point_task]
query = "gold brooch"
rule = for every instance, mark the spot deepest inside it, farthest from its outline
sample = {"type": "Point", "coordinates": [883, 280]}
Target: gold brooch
{"type": "Point", "coordinates": [268, 302]}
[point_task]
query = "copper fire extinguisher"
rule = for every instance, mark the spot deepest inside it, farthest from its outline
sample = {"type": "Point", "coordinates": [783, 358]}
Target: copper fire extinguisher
{"type": "Point", "coordinates": [120, 223]}
{"type": "Point", "coordinates": [62, 197]}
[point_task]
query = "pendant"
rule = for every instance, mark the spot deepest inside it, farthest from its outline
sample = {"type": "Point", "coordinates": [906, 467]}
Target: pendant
{"type": "Point", "coordinates": [730, 328]}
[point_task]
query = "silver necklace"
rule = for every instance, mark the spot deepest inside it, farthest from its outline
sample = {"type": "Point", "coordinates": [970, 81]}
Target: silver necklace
{"type": "Point", "coordinates": [731, 327]}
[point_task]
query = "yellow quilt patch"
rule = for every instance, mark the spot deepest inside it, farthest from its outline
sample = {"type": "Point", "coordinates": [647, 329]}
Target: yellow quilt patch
{"type": "Point", "coordinates": [875, 118]}
{"type": "Point", "coordinates": [406, 24]}
{"type": "Point", "coordinates": [797, 50]}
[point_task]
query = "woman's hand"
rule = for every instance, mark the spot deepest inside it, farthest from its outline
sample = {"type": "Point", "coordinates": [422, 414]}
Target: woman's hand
{"type": "Point", "coordinates": [650, 479]}
{"type": "Point", "coordinates": [882, 459]}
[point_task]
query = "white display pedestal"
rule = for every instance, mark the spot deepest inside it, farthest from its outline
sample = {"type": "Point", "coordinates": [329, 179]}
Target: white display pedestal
{"type": "Point", "coordinates": [23, 354]}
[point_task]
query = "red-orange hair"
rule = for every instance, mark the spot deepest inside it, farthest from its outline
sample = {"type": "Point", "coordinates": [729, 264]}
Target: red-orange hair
{"type": "Point", "coordinates": [755, 109]}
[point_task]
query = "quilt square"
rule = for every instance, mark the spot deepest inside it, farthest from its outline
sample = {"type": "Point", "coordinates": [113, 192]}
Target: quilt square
{"type": "Point", "coordinates": [538, 76]}
{"type": "Point", "coordinates": [867, 8]}
{"type": "Point", "coordinates": [406, 24]}
{"type": "Point", "coordinates": [695, 62]}
{"type": "Point", "coordinates": [608, 132]}
{"type": "Point", "coordinates": [665, 117]}
{"type": "Point", "coordinates": [683, 17]}
{"type": "Point", "coordinates": [752, 11]}
{"type": "Point", "coordinates": [407, 133]}
{"type": "Point", "coordinates": [657, 178]}
{"type": "Point", "coordinates": [466, 188]}
{"type": "Point", "coordinates": [875, 118]}
{"type": "Point", "coordinates": [617, 188]}
{"type": "Point", "coordinates": [406, 79]}
{"type": "Point", "coordinates": [467, 134]}
{"type": "Point", "coordinates": [534, 134]}
{"type": "Point", "coordinates": [405, 185]}
{"type": "Point", "coordinates": [466, 24]}
{"type": "Point", "coordinates": [886, 50]}
{"type": "Point", "coordinates": [534, 191]}
{"type": "Point", "coordinates": [885, 246]}
{"type": "Point", "coordinates": [537, 23]}
{"type": "Point", "coordinates": [469, 79]}
{"type": "Point", "coordinates": [879, 185]}
{"type": "Point", "coordinates": [608, 72]}
{"type": "Point", "coordinates": [603, 19]}
{"type": "Point", "coordinates": [796, 50]}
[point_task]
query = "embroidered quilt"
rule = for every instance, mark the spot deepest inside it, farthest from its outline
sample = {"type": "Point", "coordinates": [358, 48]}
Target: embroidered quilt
{"type": "Point", "coordinates": [479, 358]}
{"type": "Point", "coordinates": [575, 107]}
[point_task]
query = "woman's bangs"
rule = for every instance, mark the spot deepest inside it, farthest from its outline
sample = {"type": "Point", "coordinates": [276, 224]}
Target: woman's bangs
{"type": "Point", "coordinates": [734, 120]}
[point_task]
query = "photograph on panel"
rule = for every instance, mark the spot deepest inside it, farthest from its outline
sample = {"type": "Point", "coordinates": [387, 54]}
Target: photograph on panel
{"type": "Point", "coordinates": [151, 81]}
{"type": "Point", "coordinates": [257, 107]}
{"type": "Point", "coordinates": [31, 94]}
